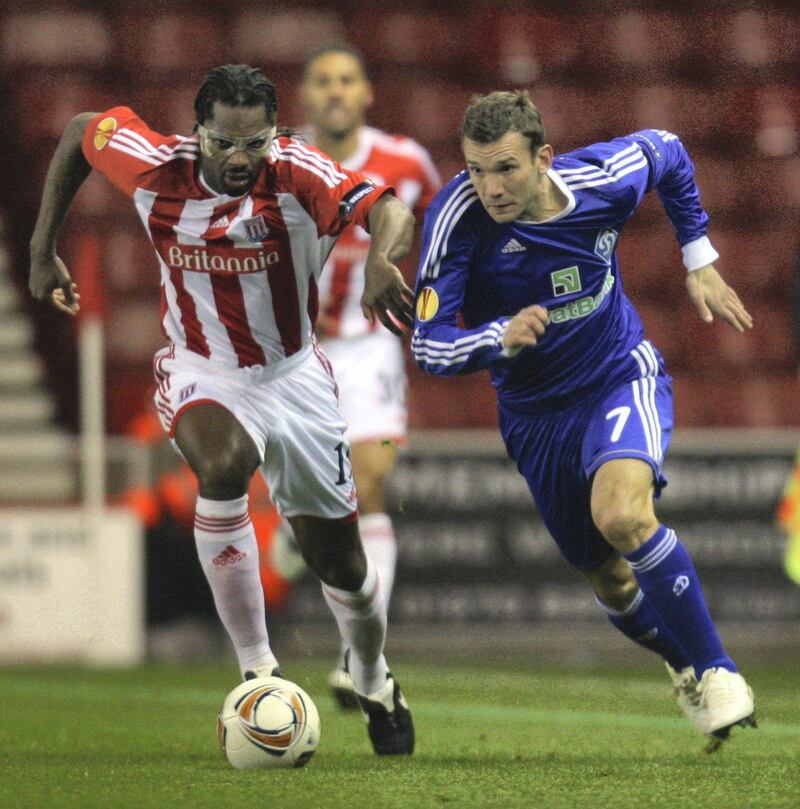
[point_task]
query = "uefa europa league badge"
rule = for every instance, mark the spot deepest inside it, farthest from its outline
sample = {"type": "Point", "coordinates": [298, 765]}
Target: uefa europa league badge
{"type": "Point", "coordinates": [256, 228]}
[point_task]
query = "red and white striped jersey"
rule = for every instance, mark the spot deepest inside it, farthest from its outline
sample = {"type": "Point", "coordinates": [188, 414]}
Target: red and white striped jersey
{"type": "Point", "coordinates": [387, 160]}
{"type": "Point", "coordinates": [239, 275]}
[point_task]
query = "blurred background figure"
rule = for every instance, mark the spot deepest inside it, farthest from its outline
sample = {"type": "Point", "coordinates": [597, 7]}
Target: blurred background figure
{"type": "Point", "coordinates": [367, 359]}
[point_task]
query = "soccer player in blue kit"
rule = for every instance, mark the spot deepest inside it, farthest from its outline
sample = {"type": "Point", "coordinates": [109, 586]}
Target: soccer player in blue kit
{"type": "Point", "coordinates": [522, 244]}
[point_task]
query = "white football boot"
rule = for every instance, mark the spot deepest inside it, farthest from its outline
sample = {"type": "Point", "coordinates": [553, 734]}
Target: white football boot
{"type": "Point", "coordinates": [727, 700]}
{"type": "Point", "coordinates": [684, 686]}
{"type": "Point", "coordinates": [342, 688]}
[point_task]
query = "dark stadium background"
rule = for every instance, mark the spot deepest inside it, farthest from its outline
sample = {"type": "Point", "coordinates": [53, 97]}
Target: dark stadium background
{"type": "Point", "coordinates": [722, 75]}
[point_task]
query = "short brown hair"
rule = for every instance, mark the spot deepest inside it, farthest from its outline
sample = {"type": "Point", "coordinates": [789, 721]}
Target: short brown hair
{"type": "Point", "coordinates": [489, 117]}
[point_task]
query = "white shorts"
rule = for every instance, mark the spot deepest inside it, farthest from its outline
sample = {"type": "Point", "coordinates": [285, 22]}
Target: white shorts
{"type": "Point", "coordinates": [370, 372]}
{"type": "Point", "coordinates": [291, 413]}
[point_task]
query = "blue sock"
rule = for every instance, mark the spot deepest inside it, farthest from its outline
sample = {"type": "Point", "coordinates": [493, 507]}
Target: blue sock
{"type": "Point", "coordinates": [670, 583]}
{"type": "Point", "coordinates": [642, 624]}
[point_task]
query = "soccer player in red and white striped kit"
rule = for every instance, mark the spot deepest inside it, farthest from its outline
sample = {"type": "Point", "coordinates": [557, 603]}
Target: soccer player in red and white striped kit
{"type": "Point", "coordinates": [242, 220]}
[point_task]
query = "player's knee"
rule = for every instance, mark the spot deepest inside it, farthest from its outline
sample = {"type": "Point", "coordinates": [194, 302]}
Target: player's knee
{"type": "Point", "coordinates": [624, 522]}
{"type": "Point", "coordinates": [223, 475]}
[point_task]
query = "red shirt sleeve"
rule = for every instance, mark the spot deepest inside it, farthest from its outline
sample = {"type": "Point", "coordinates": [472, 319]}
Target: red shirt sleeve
{"type": "Point", "coordinates": [120, 145]}
{"type": "Point", "coordinates": [333, 196]}
{"type": "Point", "coordinates": [431, 183]}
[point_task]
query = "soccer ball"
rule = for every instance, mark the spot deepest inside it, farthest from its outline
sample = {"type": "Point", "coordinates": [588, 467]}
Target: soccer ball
{"type": "Point", "coordinates": [268, 722]}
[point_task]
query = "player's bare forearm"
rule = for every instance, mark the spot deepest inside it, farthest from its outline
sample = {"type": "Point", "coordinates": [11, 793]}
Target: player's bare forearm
{"type": "Point", "coordinates": [711, 296]}
{"type": "Point", "coordinates": [67, 171]}
{"type": "Point", "coordinates": [386, 295]}
{"type": "Point", "coordinates": [391, 227]}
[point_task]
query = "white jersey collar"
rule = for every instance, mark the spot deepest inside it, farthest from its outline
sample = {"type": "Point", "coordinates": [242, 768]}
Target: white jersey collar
{"type": "Point", "coordinates": [568, 209]}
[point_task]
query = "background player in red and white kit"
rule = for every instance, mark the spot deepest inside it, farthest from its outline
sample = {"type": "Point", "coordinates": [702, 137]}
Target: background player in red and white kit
{"type": "Point", "coordinates": [367, 359]}
{"type": "Point", "coordinates": [242, 221]}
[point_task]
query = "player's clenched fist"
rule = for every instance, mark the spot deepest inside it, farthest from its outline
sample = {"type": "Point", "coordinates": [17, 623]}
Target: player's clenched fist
{"type": "Point", "coordinates": [525, 328]}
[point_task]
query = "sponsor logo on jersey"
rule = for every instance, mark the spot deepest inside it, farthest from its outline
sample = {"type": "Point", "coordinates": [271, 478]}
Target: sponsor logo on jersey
{"type": "Point", "coordinates": [354, 195]}
{"type": "Point", "coordinates": [256, 228]}
{"type": "Point", "coordinates": [187, 392]}
{"type": "Point", "coordinates": [104, 132]}
{"type": "Point", "coordinates": [582, 307]}
{"type": "Point", "coordinates": [605, 244]}
{"type": "Point", "coordinates": [427, 304]}
{"type": "Point", "coordinates": [566, 281]}
{"type": "Point", "coordinates": [198, 259]}
{"type": "Point", "coordinates": [513, 246]}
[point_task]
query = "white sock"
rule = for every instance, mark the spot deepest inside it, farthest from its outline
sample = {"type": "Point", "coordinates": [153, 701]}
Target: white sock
{"type": "Point", "coordinates": [228, 551]}
{"type": "Point", "coordinates": [361, 616]}
{"type": "Point", "coordinates": [377, 534]}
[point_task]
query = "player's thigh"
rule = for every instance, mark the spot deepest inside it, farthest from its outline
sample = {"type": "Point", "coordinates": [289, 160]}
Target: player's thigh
{"type": "Point", "coordinates": [307, 459]}
{"type": "Point", "coordinates": [370, 373]}
{"type": "Point", "coordinates": [217, 447]}
{"type": "Point", "coordinates": [207, 418]}
{"type": "Point", "coordinates": [633, 421]}
{"type": "Point", "coordinates": [548, 455]}
{"type": "Point", "coordinates": [623, 452]}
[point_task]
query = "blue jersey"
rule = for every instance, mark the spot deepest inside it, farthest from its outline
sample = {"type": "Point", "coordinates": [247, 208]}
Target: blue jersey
{"type": "Point", "coordinates": [488, 271]}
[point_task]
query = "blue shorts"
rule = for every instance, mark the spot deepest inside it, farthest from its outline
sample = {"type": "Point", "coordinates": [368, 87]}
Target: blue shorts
{"type": "Point", "coordinates": [558, 454]}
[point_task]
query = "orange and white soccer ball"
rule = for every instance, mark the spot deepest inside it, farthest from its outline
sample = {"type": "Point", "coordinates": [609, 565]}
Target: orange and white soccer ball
{"type": "Point", "coordinates": [268, 722]}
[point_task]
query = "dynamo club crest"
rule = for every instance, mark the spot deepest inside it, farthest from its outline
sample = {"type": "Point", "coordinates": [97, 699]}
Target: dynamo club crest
{"type": "Point", "coordinates": [256, 228]}
{"type": "Point", "coordinates": [605, 244]}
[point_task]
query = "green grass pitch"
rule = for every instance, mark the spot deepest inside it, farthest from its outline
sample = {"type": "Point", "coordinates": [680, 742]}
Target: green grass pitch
{"type": "Point", "coordinates": [494, 735]}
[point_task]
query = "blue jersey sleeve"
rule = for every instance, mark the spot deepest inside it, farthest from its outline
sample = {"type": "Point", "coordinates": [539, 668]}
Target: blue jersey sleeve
{"type": "Point", "coordinates": [672, 173]}
{"type": "Point", "coordinates": [625, 169]}
{"type": "Point", "coordinates": [449, 238]}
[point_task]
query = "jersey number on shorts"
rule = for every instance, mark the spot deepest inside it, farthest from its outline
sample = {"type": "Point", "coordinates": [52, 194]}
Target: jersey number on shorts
{"type": "Point", "coordinates": [343, 451]}
{"type": "Point", "coordinates": [621, 415]}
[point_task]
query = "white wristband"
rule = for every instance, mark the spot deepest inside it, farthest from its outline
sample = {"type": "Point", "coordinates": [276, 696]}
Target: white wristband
{"type": "Point", "coordinates": [698, 253]}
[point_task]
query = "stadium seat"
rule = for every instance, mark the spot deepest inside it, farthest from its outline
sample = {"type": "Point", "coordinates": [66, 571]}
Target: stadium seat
{"type": "Point", "coordinates": [757, 261]}
{"type": "Point", "coordinates": [569, 115]}
{"type": "Point", "coordinates": [410, 37]}
{"type": "Point", "coordinates": [78, 90]}
{"type": "Point", "coordinates": [648, 43]}
{"type": "Point", "coordinates": [650, 262]}
{"type": "Point", "coordinates": [433, 109]}
{"type": "Point", "coordinates": [65, 37]}
{"type": "Point", "coordinates": [720, 182]}
{"type": "Point", "coordinates": [519, 47]}
{"type": "Point", "coordinates": [283, 35]}
{"type": "Point", "coordinates": [778, 121]}
{"type": "Point", "coordinates": [169, 41]}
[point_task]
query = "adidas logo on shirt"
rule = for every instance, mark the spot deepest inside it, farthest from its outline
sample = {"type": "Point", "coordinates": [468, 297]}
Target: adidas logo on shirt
{"type": "Point", "coordinates": [514, 246]}
{"type": "Point", "coordinates": [222, 222]}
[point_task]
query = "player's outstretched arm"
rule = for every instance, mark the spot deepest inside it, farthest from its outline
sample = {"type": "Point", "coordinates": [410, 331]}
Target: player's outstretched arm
{"type": "Point", "coordinates": [386, 295]}
{"type": "Point", "coordinates": [712, 296]}
{"type": "Point", "coordinates": [68, 169]}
